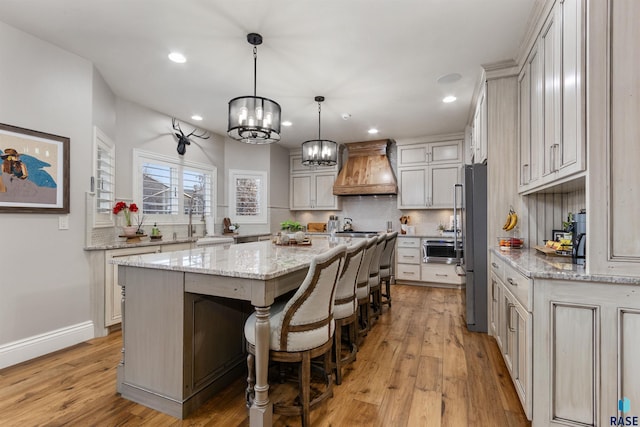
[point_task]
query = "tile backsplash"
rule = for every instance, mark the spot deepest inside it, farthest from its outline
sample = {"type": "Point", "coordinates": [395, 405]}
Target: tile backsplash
{"type": "Point", "coordinates": [371, 213]}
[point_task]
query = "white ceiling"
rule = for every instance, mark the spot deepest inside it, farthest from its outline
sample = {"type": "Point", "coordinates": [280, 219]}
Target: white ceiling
{"type": "Point", "coordinates": [378, 60]}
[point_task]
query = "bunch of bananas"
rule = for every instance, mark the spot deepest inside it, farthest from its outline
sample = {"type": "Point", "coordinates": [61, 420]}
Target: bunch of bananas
{"type": "Point", "coordinates": [512, 220]}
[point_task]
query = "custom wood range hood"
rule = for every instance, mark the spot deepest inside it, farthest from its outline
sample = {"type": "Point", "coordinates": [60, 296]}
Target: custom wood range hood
{"type": "Point", "coordinates": [367, 170]}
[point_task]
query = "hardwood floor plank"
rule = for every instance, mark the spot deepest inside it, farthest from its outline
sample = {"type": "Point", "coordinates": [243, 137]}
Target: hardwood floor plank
{"type": "Point", "coordinates": [429, 377]}
{"type": "Point", "coordinates": [418, 366]}
{"type": "Point", "coordinates": [425, 409]}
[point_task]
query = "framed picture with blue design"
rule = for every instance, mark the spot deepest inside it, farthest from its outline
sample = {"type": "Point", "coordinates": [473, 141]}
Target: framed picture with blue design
{"type": "Point", "coordinates": [35, 171]}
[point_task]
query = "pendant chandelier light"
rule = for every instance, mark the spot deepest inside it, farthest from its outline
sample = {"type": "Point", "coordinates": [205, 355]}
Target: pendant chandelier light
{"type": "Point", "coordinates": [319, 152]}
{"type": "Point", "coordinates": [254, 119]}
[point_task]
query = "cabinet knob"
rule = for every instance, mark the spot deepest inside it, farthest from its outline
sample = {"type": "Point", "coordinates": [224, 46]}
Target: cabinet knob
{"type": "Point", "coordinates": [512, 282]}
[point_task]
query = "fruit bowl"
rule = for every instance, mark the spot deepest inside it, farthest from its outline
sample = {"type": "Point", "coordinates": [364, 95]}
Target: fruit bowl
{"type": "Point", "coordinates": [506, 243]}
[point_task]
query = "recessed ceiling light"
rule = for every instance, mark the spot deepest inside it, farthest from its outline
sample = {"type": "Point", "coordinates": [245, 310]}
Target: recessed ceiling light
{"type": "Point", "coordinates": [373, 131]}
{"type": "Point", "coordinates": [448, 99]}
{"type": "Point", "coordinates": [196, 117]}
{"type": "Point", "coordinates": [449, 78]}
{"type": "Point", "coordinates": [286, 123]}
{"type": "Point", "coordinates": [177, 57]}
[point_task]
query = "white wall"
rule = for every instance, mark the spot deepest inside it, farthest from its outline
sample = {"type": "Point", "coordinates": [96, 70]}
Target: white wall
{"type": "Point", "coordinates": [46, 296]}
{"type": "Point", "coordinates": [270, 158]}
{"type": "Point", "coordinates": [45, 281]}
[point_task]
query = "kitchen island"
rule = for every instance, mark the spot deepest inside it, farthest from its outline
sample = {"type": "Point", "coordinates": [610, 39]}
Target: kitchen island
{"type": "Point", "coordinates": [183, 320]}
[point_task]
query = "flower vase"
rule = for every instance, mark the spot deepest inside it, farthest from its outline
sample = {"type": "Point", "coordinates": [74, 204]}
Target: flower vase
{"type": "Point", "coordinates": [129, 231]}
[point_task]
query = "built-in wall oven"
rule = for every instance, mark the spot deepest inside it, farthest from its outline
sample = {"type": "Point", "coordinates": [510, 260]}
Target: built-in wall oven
{"type": "Point", "coordinates": [443, 251]}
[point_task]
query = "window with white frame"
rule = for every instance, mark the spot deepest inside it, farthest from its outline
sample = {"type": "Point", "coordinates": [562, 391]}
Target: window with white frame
{"type": "Point", "coordinates": [104, 155]}
{"type": "Point", "coordinates": [167, 190]}
{"type": "Point", "coordinates": [248, 196]}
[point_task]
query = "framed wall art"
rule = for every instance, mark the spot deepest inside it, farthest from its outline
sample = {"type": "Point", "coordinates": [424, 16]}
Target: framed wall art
{"type": "Point", "coordinates": [35, 171]}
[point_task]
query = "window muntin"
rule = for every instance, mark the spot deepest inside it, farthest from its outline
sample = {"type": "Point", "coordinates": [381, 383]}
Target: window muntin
{"type": "Point", "coordinates": [248, 196]}
{"type": "Point", "coordinates": [169, 188]}
{"type": "Point", "coordinates": [104, 154]}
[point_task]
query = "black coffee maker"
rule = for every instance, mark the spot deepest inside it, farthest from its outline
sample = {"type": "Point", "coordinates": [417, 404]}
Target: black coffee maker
{"type": "Point", "coordinates": [579, 230]}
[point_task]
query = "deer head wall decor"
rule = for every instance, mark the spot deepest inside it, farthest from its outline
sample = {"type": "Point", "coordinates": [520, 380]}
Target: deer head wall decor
{"type": "Point", "coordinates": [183, 140]}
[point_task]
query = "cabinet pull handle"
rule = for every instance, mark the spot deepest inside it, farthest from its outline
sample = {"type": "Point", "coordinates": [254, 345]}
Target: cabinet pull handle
{"type": "Point", "coordinates": [512, 282]}
{"type": "Point", "coordinates": [441, 275]}
{"type": "Point", "coordinates": [494, 265]}
{"type": "Point", "coordinates": [510, 314]}
{"type": "Point", "coordinates": [409, 272]}
{"type": "Point", "coordinates": [524, 179]}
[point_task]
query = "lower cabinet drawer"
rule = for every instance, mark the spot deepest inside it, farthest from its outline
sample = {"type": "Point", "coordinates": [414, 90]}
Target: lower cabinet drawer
{"type": "Point", "coordinates": [519, 286]}
{"type": "Point", "coordinates": [408, 256]}
{"type": "Point", "coordinates": [440, 273]}
{"type": "Point", "coordinates": [408, 272]}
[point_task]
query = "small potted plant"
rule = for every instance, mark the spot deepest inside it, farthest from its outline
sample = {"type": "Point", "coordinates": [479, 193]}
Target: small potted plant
{"type": "Point", "coordinates": [290, 226]}
{"type": "Point", "coordinates": [128, 229]}
{"type": "Point", "coordinates": [293, 230]}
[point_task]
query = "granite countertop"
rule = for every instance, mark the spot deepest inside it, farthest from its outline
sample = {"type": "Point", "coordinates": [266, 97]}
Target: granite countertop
{"type": "Point", "coordinates": [257, 260]}
{"type": "Point", "coordinates": [535, 265]}
{"type": "Point", "coordinates": [123, 244]}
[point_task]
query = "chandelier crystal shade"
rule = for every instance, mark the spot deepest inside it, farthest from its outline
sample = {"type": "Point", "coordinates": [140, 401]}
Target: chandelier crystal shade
{"type": "Point", "coordinates": [319, 152]}
{"type": "Point", "coordinates": [254, 119]}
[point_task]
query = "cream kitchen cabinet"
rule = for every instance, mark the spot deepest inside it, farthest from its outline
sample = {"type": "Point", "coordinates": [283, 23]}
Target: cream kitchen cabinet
{"type": "Point", "coordinates": [479, 133]}
{"type": "Point", "coordinates": [613, 246]}
{"type": "Point", "coordinates": [112, 291]}
{"type": "Point", "coordinates": [552, 102]}
{"type": "Point", "coordinates": [311, 188]}
{"type": "Point", "coordinates": [511, 323]}
{"type": "Point", "coordinates": [409, 265]}
{"type": "Point", "coordinates": [428, 187]}
{"type": "Point", "coordinates": [408, 258]}
{"type": "Point", "coordinates": [442, 274]}
{"type": "Point", "coordinates": [430, 153]}
{"type": "Point", "coordinates": [586, 343]}
{"type": "Point", "coordinates": [427, 173]}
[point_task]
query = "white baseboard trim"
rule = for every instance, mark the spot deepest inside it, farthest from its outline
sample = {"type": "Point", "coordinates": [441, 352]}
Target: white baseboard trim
{"type": "Point", "coordinates": [38, 345]}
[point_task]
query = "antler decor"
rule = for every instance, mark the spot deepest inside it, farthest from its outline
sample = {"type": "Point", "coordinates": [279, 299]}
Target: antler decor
{"type": "Point", "coordinates": [183, 140]}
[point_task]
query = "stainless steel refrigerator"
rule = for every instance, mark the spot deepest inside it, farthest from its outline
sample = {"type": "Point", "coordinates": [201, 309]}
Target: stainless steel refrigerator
{"type": "Point", "coordinates": [475, 248]}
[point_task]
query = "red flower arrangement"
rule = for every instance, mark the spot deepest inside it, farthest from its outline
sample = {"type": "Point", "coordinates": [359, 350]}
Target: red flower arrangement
{"type": "Point", "coordinates": [122, 207]}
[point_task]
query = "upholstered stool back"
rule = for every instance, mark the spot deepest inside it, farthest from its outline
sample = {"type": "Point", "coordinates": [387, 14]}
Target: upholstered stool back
{"type": "Point", "coordinates": [345, 298]}
{"type": "Point", "coordinates": [386, 266]}
{"type": "Point", "coordinates": [307, 318]}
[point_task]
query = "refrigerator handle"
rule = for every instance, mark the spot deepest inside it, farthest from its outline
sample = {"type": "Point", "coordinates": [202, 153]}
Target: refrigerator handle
{"type": "Point", "coordinates": [456, 226]}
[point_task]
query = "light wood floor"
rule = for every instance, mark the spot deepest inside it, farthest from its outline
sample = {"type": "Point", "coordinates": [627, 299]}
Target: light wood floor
{"type": "Point", "coordinates": [419, 366]}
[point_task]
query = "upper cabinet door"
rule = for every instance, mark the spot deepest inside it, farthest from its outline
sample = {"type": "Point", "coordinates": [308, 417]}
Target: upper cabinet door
{"type": "Point", "coordinates": [552, 124]}
{"type": "Point", "coordinates": [443, 180]}
{"type": "Point", "coordinates": [551, 42]}
{"type": "Point", "coordinates": [300, 192]}
{"type": "Point", "coordinates": [572, 156]}
{"type": "Point", "coordinates": [411, 155]}
{"type": "Point", "coordinates": [480, 128]}
{"type": "Point", "coordinates": [324, 198]}
{"type": "Point", "coordinates": [445, 152]}
{"type": "Point", "coordinates": [412, 186]}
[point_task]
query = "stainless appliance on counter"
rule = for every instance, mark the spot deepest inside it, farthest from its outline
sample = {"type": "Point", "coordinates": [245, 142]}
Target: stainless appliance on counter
{"type": "Point", "coordinates": [443, 251]}
{"type": "Point", "coordinates": [474, 238]}
{"type": "Point", "coordinates": [579, 230]}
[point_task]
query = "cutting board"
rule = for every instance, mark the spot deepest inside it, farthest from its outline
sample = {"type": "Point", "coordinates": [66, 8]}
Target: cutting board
{"type": "Point", "coordinates": [316, 227]}
{"type": "Point", "coordinates": [549, 251]}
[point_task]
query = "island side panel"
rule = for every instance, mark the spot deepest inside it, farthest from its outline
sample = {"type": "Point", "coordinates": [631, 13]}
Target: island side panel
{"type": "Point", "coordinates": [154, 331]}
